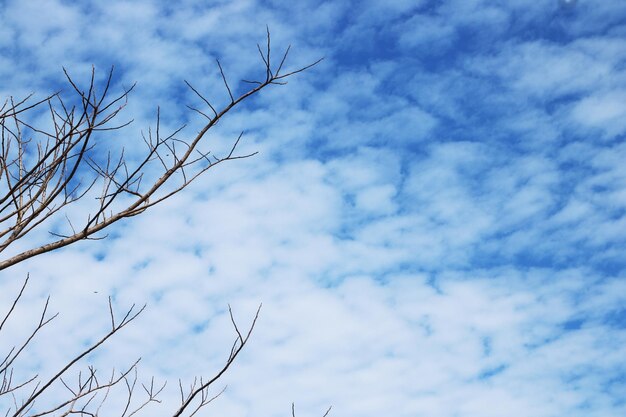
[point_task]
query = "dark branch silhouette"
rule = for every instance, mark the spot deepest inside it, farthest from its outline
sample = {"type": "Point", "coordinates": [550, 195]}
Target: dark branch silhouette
{"type": "Point", "coordinates": [42, 174]}
{"type": "Point", "coordinates": [45, 170]}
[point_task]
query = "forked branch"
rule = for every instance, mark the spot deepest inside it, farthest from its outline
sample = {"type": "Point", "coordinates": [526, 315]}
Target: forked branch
{"type": "Point", "coordinates": [88, 390]}
{"type": "Point", "coordinates": [40, 176]}
{"type": "Point", "coordinates": [87, 387]}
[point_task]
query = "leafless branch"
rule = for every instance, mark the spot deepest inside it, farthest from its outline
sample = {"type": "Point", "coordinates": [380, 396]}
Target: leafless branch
{"type": "Point", "coordinates": [200, 391]}
{"type": "Point", "coordinates": [87, 387]}
{"type": "Point", "coordinates": [44, 170]}
{"type": "Point", "coordinates": [36, 186]}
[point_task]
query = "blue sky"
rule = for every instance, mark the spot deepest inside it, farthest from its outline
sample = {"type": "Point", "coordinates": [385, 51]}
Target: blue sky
{"type": "Point", "coordinates": [435, 222]}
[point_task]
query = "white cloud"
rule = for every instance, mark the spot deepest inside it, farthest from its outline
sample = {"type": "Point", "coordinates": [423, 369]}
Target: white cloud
{"type": "Point", "coordinates": [438, 236]}
{"type": "Point", "coordinates": [605, 112]}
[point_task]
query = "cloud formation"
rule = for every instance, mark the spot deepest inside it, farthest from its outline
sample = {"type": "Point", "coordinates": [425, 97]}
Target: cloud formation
{"type": "Point", "coordinates": [434, 225]}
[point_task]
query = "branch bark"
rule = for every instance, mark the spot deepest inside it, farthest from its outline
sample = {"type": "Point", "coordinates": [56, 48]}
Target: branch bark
{"type": "Point", "coordinates": [35, 188]}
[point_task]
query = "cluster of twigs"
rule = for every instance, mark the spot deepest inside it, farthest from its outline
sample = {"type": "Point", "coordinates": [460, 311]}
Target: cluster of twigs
{"type": "Point", "coordinates": [42, 174]}
{"type": "Point", "coordinates": [45, 170]}
{"type": "Point", "coordinates": [87, 395]}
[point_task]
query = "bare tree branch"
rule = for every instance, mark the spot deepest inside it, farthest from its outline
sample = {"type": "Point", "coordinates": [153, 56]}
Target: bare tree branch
{"type": "Point", "coordinates": [34, 187]}
{"type": "Point", "coordinates": [44, 170]}
{"type": "Point", "coordinates": [203, 386]}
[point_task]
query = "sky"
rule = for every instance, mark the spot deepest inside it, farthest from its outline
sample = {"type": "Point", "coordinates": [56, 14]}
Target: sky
{"type": "Point", "coordinates": [435, 223]}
